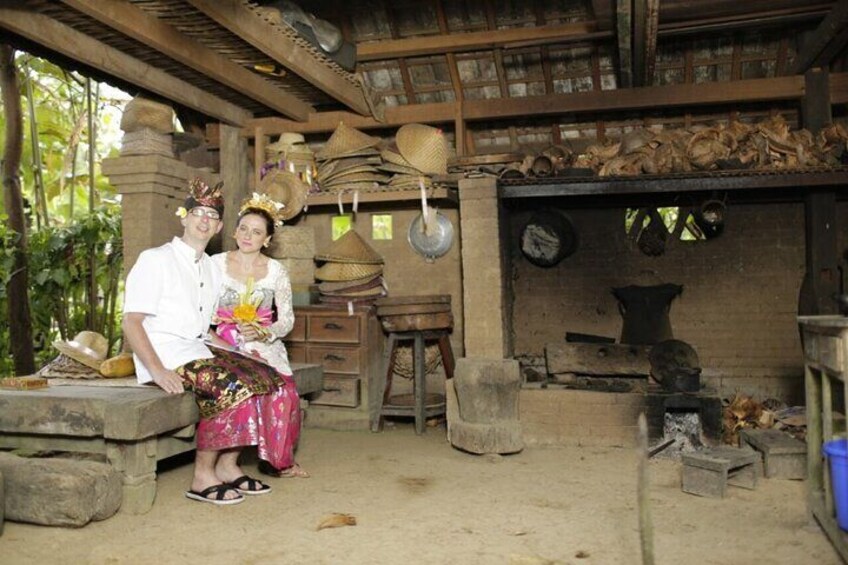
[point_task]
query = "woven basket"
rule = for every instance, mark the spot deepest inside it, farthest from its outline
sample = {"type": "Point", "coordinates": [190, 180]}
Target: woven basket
{"type": "Point", "coordinates": [142, 113]}
{"type": "Point", "coordinates": [64, 367]}
{"type": "Point", "coordinates": [404, 364]}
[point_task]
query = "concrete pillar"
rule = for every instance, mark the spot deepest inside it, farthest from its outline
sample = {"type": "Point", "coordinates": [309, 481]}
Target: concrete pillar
{"type": "Point", "coordinates": [152, 187]}
{"type": "Point", "coordinates": [485, 270]}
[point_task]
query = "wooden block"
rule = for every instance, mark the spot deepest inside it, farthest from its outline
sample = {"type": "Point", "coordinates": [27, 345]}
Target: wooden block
{"type": "Point", "coordinates": [23, 383]}
{"type": "Point", "coordinates": [401, 309]}
{"type": "Point", "coordinates": [784, 457]}
{"type": "Point", "coordinates": [597, 359]}
{"type": "Point", "coordinates": [708, 472]}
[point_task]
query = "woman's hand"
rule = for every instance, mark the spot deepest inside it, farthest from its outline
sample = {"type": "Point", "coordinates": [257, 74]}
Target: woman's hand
{"type": "Point", "coordinates": [250, 333]}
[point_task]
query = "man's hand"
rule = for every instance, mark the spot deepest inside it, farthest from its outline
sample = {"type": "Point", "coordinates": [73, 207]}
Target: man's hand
{"type": "Point", "coordinates": [169, 381]}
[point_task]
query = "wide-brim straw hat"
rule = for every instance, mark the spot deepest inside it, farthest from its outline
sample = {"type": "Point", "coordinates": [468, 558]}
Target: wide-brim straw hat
{"type": "Point", "coordinates": [332, 271]}
{"type": "Point", "coordinates": [87, 347]}
{"type": "Point", "coordinates": [346, 140]}
{"type": "Point", "coordinates": [142, 113]}
{"type": "Point", "coordinates": [350, 248]}
{"type": "Point", "coordinates": [357, 177]}
{"type": "Point", "coordinates": [375, 292]}
{"type": "Point", "coordinates": [392, 155]}
{"type": "Point", "coordinates": [287, 189]}
{"type": "Point", "coordinates": [286, 141]}
{"type": "Point", "coordinates": [424, 147]}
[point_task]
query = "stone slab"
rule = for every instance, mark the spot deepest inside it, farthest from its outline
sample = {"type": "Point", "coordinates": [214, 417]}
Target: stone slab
{"type": "Point", "coordinates": [597, 359]}
{"type": "Point", "coordinates": [59, 492]}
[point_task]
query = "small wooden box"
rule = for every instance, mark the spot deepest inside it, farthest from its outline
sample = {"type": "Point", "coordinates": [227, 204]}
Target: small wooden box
{"type": "Point", "coordinates": [784, 457]}
{"type": "Point", "coordinates": [708, 472]}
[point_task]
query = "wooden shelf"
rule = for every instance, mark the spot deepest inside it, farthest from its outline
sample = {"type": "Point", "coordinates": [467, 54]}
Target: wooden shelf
{"type": "Point", "coordinates": [647, 184]}
{"type": "Point", "coordinates": [434, 194]}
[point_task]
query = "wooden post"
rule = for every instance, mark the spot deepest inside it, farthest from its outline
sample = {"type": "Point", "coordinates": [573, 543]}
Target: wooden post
{"type": "Point", "coordinates": [823, 278]}
{"type": "Point", "coordinates": [235, 172]}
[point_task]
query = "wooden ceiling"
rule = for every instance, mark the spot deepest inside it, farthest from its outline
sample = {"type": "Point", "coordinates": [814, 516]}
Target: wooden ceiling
{"type": "Point", "coordinates": [493, 63]}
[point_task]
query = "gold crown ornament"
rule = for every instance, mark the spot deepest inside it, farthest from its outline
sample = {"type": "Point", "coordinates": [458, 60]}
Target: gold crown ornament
{"type": "Point", "coordinates": [266, 204]}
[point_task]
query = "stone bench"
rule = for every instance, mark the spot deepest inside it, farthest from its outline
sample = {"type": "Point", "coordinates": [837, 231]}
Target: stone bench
{"type": "Point", "coordinates": [133, 426]}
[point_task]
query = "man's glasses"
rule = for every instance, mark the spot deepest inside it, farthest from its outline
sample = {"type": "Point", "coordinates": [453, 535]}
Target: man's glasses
{"type": "Point", "coordinates": [200, 212]}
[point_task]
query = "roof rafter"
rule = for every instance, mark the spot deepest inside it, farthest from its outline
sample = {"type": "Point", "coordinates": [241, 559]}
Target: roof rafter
{"type": "Point", "coordinates": [827, 41]}
{"type": "Point", "coordinates": [479, 40]}
{"type": "Point", "coordinates": [233, 15]}
{"type": "Point", "coordinates": [77, 46]}
{"type": "Point", "coordinates": [133, 22]}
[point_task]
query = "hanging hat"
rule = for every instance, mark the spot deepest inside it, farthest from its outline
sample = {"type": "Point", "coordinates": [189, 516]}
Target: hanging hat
{"type": "Point", "coordinates": [350, 248]}
{"type": "Point", "coordinates": [89, 348]}
{"type": "Point", "coordinates": [200, 194]}
{"type": "Point", "coordinates": [333, 271]}
{"type": "Point", "coordinates": [424, 147]}
{"type": "Point", "coordinates": [287, 189]}
{"type": "Point", "coordinates": [285, 142]}
{"type": "Point", "coordinates": [346, 140]}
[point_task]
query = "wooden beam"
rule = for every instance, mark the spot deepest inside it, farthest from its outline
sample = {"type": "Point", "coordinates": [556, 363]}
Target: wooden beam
{"type": "Point", "coordinates": [753, 90]}
{"type": "Point", "coordinates": [828, 31]}
{"type": "Point", "coordinates": [233, 15]}
{"type": "Point", "coordinates": [624, 27]}
{"type": "Point", "coordinates": [604, 15]}
{"type": "Point", "coordinates": [651, 26]}
{"type": "Point", "coordinates": [640, 41]}
{"type": "Point", "coordinates": [675, 95]}
{"type": "Point", "coordinates": [153, 32]}
{"type": "Point", "coordinates": [479, 41]}
{"type": "Point", "coordinates": [77, 46]}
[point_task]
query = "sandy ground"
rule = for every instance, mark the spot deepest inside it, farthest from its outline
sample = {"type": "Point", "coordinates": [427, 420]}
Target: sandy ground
{"type": "Point", "coordinates": [417, 500]}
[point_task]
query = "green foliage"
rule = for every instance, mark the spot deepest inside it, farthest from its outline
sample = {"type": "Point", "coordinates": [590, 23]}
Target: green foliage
{"type": "Point", "coordinates": [74, 256]}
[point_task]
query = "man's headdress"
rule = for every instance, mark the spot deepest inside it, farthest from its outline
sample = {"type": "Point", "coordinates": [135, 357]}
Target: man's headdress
{"type": "Point", "coordinates": [201, 194]}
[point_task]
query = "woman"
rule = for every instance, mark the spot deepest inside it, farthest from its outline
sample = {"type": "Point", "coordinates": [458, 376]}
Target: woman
{"type": "Point", "coordinates": [252, 281]}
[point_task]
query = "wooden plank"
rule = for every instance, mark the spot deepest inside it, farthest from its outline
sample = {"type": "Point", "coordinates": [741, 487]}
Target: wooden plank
{"type": "Point", "coordinates": [625, 46]}
{"type": "Point", "coordinates": [651, 27]}
{"type": "Point", "coordinates": [233, 15]}
{"type": "Point", "coordinates": [77, 46]}
{"type": "Point", "coordinates": [479, 41]}
{"type": "Point", "coordinates": [597, 359]}
{"type": "Point", "coordinates": [133, 22]}
{"type": "Point", "coordinates": [828, 31]}
{"type": "Point", "coordinates": [752, 90]}
{"type": "Point", "coordinates": [332, 198]}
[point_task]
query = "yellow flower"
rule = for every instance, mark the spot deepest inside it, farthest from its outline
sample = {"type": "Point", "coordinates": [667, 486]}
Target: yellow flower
{"type": "Point", "coordinates": [245, 313]}
{"type": "Point", "coordinates": [182, 212]}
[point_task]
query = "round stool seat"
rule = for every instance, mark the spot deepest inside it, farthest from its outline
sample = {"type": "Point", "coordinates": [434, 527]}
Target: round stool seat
{"type": "Point", "coordinates": [431, 400]}
{"type": "Point", "coordinates": [417, 322]}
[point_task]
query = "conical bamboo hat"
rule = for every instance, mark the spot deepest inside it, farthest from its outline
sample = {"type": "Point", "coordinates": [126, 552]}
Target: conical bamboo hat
{"type": "Point", "coordinates": [346, 271]}
{"type": "Point", "coordinates": [424, 147]}
{"type": "Point", "coordinates": [350, 248]}
{"type": "Point", "coordinates": [346, 140]}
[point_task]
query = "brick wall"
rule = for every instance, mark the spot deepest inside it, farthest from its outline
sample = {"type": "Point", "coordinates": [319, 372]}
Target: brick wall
{"type": "Point", "coordinates": [737, 309]}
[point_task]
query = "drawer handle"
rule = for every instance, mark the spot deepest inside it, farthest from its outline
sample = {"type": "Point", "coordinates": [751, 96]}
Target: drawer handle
{"type": "Point", "coordinates": [331, 390]}
{"type": "Point", "coordinates": [332, 326]}
{"type": "Point", "coordinates": [333, 357]}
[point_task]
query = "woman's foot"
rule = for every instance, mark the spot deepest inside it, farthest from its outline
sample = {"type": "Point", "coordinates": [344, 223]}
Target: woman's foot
{"type": "Point", "coordinates": [295, 471]}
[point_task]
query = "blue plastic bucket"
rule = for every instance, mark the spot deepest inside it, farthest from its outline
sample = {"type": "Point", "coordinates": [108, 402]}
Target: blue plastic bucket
{"type": "Point", "coordinates": [837, 453]}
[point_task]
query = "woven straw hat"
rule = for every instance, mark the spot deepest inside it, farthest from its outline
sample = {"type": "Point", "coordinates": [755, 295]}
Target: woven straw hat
{"type": "Point", "coordinates": [346, 140]}
{"type": "Point", "coordinates": [342, 180]}
{"type": "Point", "coordinates": [350, 248]}
{"type": "Point", "coordinates": [286, 188]}
{"type": "Point", "coordinates": [89, 348]}
{"type": "Point", "coordinates": [333, 271]}
{"type": "Point", "coordinates": [391, 155]}
{"type": "Point", "coordinates": [285, 141]}
{"type": "Point", "coordinates": [142, 113]}
{"type": "Point", "coordinates": [350, 286]}
{"type": "Point", "coordinates": [424, 147]}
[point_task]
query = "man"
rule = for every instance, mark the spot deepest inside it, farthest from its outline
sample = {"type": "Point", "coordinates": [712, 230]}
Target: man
{"type": "Point", "coordinates": [170, 297]}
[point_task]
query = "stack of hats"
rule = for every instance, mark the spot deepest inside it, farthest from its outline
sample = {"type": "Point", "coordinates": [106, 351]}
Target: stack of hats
{"type": "Point", "coordinates": [291, 148]}
{"type": "Point", "coordinates": [352, 272]}
{"type": "Point", "coordinates": [418, 153]}
{"type": "Point", "coordinates": [147, 127]}
{"type": "Point", "coordinates": [349, 161]}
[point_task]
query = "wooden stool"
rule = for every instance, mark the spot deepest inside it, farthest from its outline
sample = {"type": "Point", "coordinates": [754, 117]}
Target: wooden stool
{"type": "Point", "coordinates": [784, 457]}
{"type": "Point", "coordinates": [708, 472]}
{"type": "Point", "coordinates": [418, 319]}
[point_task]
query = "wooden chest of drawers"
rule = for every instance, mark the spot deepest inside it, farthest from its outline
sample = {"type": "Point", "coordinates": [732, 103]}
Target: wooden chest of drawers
{"type": "Point", "coordinates": [348, 346]}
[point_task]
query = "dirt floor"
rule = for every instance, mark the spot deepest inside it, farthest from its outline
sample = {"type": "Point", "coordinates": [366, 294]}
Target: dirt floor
{"type": "Point", "coordinates": [417, 500]}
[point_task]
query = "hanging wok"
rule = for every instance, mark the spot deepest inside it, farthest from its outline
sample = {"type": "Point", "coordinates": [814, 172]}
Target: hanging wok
{"type": "Point", "coordinates": [433, 240]}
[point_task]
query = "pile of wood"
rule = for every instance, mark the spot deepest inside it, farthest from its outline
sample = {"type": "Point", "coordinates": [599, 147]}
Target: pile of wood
{"type": "Point", "coordinates": [744, 412]}
{"type": "Point", "coordinates": [765, 145]}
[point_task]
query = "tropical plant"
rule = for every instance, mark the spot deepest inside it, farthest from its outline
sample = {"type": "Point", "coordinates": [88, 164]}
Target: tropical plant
{"type": "Point", "coordinates": [74, 241]}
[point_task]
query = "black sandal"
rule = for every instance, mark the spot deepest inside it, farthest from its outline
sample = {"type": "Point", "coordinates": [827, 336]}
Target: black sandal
{"type": "Point", "coordinates": [220, 491]}
{"type": "Point", "coordinates": [254, 486]}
